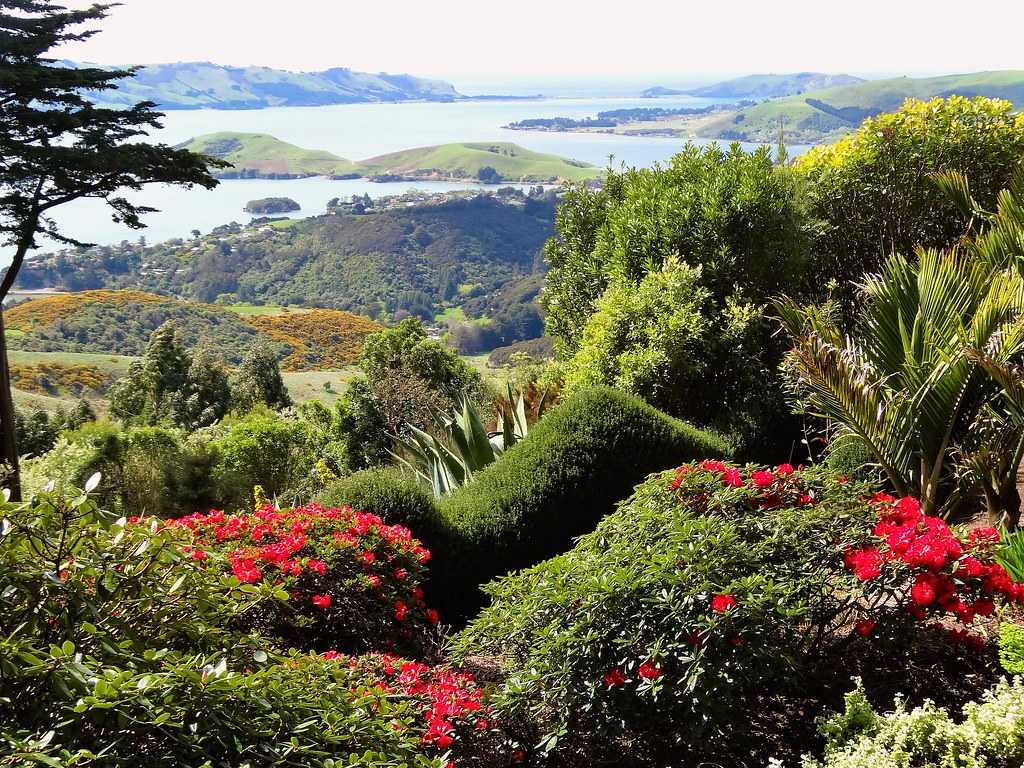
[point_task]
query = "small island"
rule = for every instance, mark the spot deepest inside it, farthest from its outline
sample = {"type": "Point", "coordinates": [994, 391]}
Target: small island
{"type": "Point", "coordinates": [269, 205]}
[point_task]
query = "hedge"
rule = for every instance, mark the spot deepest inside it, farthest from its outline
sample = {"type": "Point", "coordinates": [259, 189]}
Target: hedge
{"type": "Point", "coordinates": [572, 469]}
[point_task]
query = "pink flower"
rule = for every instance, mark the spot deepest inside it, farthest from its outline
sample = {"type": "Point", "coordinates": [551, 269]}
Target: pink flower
{"type": "Point", "coordinates": [732, 478]}
{"type": "Point", "coordinates": [762, 479]}
{"type": "Point", "coordinates": [784, 470]}
{"type": "Point", "coordinates": [318, 567]}
{"type": "Point", "coordinates": [323, 602]}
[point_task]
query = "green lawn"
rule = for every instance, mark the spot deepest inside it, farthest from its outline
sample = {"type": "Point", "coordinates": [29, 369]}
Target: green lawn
{"type": "Point", "coordinates": [304, 386]}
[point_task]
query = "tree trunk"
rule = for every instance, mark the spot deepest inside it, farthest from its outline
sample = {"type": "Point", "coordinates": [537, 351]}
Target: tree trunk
{"type": "Point", "coordinates": [8, 434]}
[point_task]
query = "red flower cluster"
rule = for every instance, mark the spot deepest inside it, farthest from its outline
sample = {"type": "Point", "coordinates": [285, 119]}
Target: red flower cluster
{"type": "Point", "coordinates": [320, 556]}
{"type": "Point", "coordinates": [774, 488]}
{"type": "Point", "coordinates": [449, 700]}
{"type": "Point", "coordinates": [920, 561]}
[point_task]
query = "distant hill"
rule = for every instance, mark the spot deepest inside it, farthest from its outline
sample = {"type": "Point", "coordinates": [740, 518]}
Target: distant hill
{"type": "Point", "coordinates": [202, 85]}
{"type": "Point", "coordinates": [820, 115]}
{"type": "Point", "coordinates": [509, 161]}
{"type": "Point", "coordinates": [121, 321]}
{"type": "Point", "coordinates": [763, 86]}
{"type": "Point", "coordinates": [257, 155]}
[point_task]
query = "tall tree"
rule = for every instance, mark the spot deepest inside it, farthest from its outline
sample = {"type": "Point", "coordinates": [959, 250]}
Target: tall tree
{"type": "Point", "coordinates": [258, 381]}
{"type": "Point", "coordinates": [57, 146]}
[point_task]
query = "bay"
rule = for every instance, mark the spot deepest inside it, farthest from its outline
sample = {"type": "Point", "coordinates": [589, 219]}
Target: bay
{"type": "Point", "coordinates": [358, 132]}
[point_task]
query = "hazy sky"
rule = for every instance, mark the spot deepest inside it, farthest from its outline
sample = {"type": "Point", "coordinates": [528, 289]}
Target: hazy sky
{"type": "Point", "coordinates": [487, 40]}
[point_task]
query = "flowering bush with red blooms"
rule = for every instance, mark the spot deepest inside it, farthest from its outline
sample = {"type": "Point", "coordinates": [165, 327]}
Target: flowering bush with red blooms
{"type": "Point", "coordinates": [912, 564]}
{"type": "Point", "coordinates": [714, 582]}
{"type": "Point", "coordinates": [452, 716]}
{"type": "Point", "coordinates": [343, 579]}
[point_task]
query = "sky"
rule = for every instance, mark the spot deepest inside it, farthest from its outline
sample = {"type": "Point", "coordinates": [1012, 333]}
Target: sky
{"type": "Point", "coordinates": [485, 42]}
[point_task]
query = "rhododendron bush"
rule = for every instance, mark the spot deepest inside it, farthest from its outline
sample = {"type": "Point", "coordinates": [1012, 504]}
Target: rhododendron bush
{"type": "Point", "coordinates": [914, 565]}
{"type": "Point", "coordinates": [130, 643]}
{"type": "Point", "coordinates": [344, 579]}
{"type": "Point", "coordinates": [712, 584]}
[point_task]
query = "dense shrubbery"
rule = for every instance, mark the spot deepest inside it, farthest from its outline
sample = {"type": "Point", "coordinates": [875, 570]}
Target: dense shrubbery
{"type": "Point", "coordinates": [121, 645]}
{"type": "Point", "coordinates": [989, 735]}
{"type": "Point", "coordinates": [871, 194]}
{"type": "Point", "coordinates": [344, 580]}
{"type": "Point", "coordinates": [712, 584]}
{"type": "Point", "coordinates": [568, 473]}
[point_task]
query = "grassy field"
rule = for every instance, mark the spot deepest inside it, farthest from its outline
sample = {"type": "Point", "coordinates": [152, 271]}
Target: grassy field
{"type": "Point", "coordinates": [113, 363]}
{"type": "Point", "coordinates": [260, 154]}
{"type": "Point", "coordinates": [802, 120]}
{"type": "Point", "coordinates": [258, 310]}
{"type": "Point", "coordinates": [513, 162]}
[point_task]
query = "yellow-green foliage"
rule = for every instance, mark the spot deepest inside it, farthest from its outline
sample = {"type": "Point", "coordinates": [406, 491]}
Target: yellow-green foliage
{"type": "Point", "coordinates": [50, 378]}
{"type": "Point", "coordinates": [323, 339]}
{"type": "Point", "coordinates": [44, 312]}
{"type": "Point", "coordinates": [257, 154]}
{"type": "Point", "coordinates": [990, 734]}
{"type": "Point", "coordinates": [1011, 647]}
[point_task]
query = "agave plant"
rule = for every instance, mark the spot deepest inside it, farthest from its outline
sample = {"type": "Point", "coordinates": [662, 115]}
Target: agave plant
{"type": "Point", "coordinates": [462, 446]}
{"type": "Point", "coordinates": [904, 384]}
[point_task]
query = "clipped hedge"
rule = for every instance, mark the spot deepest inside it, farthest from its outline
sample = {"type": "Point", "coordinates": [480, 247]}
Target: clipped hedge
{"type": "Point", "coordinates": [394, 496]}
{"type": "Point", "coordinates": [575, 465]}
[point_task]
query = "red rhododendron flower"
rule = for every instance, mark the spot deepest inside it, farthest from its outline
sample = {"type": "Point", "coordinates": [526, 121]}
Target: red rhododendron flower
{"type": "Point", "coordinates": [323, 602]}
{"type": "Point", "coordinates": [983, 537]}
{"type": "Point", "coordinates": [318, 567]}
{"type": "Point", "coordinates": [865, 627]}
{"type": "Point", "coordinates": [649, 671]}
{"type": "Point", "coordinates": [762, 479]}
{"type": "Point", "coordinates": [723, 603]}
{"type": "Point", "coordinates": [401, 609]}
{"type": "Point", "coordinates": [732, 478]}
{"type": "Point", "coordinates": [614, 677]}
{"type": "Point", "coordinates": [922, 593]}
{"type": "Point", "coordinates": [432, 616]}
{"type": "Point", "coordinates": [784, 470]}
{"type": "Point", "coordinates": [866, 564]}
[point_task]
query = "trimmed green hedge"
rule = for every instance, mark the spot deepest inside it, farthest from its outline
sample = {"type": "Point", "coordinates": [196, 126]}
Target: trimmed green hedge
{"type": "Point", "coordinates": [573, 468]}
{"type": "Point", "coordinates": [392, 495]}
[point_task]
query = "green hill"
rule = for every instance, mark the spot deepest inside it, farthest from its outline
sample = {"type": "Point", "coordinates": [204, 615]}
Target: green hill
{"type": "Point", "coordinates": [419, 260]}
{"type": "Point", "coordinates": [202, 85]}
{"type": "Point", "coordinates": [257, 155]}
{"type": "Point", "coordinates": [465, 161]}
{"type": "Point", "coordinates": [820, 115]}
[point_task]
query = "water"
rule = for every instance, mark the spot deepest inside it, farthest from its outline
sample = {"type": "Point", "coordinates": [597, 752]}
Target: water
{"type": "Point", "coordinates": [358, 132]}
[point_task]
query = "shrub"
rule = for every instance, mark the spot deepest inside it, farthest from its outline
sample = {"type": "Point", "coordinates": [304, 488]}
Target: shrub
{"type": "Point", "coordinates": [872, 194]}
{"type": "Point", "coordinates": [118, 648]}
{"type": "Point", "coordinates": [990, 735]}
{"type": "Point", "coordinates": [912, 564]}
{"type": "Point", "coordinates": [1011, 647]}
{"type": "Point", "coordinates": [710, 584]}
{"type": "Point", "coordinates": [347, 580]}
{"type": "Point", "coordinates": [558, 482]}
{"type": "Point", "coordinates": [392, 495]}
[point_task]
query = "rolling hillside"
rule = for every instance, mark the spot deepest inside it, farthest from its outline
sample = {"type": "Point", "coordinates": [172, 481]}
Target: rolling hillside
{"type": "Point", "coordinates": [762, 86]}
{"type": "Point", "coordinates": [820, 115]}
{"type": "Point", "coordinates": [202, 85]}
{"type": "Point", "coordinates": [112, 322]}
{"type": "Point", "coordinates": [257, 155]}
{"type": "Point", "coordinates": [510, 161]}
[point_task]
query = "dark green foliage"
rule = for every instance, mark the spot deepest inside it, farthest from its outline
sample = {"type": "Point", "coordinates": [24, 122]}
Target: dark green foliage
{"type": "Point", "coordinates": [38, 430]}
{"type": "Point", "coordinates": [557, 483]}
{"type": "Point", "coordinates": [173, 385]}
{"type": "Point", "coordinates": [640, 590]}
{"type": "Point", "coordinates": [258, 381]}
{"type": "Point", "coordinates": [393, 495]}
{"type": "Point", "coordinates": [57, 146]}
{"type": "Point", "coordinates": [408, 380]}
{"type": "Point", "coordinates": [410, 259]}
{"type": "Point", "coordinates": [849, 457]}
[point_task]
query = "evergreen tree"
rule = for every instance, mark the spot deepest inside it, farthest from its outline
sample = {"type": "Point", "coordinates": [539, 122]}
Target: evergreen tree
{"type": "Point", "coordinates": [56, 147]}
{"type": "Point", "coordinates": [165, 368]}
{"type": "Point", "coordinates": [258, 380]}
{"type": "Point", "coordinates": [207, 393]}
